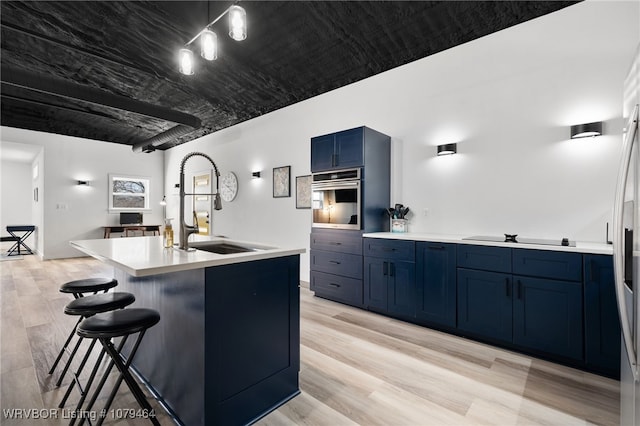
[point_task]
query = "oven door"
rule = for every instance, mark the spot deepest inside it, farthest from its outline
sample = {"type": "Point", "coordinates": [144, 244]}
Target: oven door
{"type": "Point", "coordinates": [336, 204]}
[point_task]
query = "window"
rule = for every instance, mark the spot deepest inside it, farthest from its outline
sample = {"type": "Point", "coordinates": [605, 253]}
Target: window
{"type": "Point", "coordinates": [128, 193]}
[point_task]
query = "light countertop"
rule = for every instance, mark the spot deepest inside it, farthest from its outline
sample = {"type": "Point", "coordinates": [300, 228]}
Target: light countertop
{"type": "Point", "coordinates": [142, 256]}
{"type": "Point", "coordinates": [581, 247]}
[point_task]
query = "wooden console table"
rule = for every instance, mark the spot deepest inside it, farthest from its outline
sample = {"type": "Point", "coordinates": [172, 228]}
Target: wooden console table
{"type": "Point", "coordinates": [130, 228]}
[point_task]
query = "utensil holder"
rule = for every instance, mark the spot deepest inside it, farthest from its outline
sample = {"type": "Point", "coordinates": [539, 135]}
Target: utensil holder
{"type": "Point", "coordinates": [399, 225]}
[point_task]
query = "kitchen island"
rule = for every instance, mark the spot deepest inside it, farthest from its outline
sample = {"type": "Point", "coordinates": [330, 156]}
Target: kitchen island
{"type": "Point", "coordinates": [226, 350]}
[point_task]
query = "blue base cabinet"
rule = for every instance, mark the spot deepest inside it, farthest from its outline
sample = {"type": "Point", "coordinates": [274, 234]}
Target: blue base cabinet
{"type": "Point", "coordinates": [538, 309]}
{"type": "Point", "coordinates": [555, 305]}
{"type": "Point", "coordinates": [389, 276]}
{"type": "Point", "coordinates": [436, 284]}
{"type": "Point", "coordinates": [547, 316]}
{"type": "Point", "coordinates": [484, 304]}
{"type": "Point", "coordinates": [336, 265]}
{"type": "Point", "coordinates": [602, 323]}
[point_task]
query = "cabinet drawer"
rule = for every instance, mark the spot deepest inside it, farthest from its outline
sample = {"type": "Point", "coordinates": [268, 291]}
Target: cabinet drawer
{"type": "Point", "coordinates": [390, 249]}
{"type": "Point", "coordinates": [548, 264]}
{"type": "Point", "coordinates": [340, 241]}
{"type": "Point", "coordinates": [335, 287]}
{"type": "Point", "coordinates": [348, 265]}
{"type": "Point", "coordinates": [486, 258]}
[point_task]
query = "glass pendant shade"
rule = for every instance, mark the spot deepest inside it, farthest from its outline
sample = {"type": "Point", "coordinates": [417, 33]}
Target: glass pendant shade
{"type": "Point", "coordinates": [237, 23]}
{"type": "Point", "coordinates": [209, 45]}
{"type": "Point", "coordinates": [186, 61]}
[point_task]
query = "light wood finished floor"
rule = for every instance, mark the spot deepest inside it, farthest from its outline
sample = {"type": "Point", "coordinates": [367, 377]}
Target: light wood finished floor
{"type": "Point", "coordinates": [357, 367]}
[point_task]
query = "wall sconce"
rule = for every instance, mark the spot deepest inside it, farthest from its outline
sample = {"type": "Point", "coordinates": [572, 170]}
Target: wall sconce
{"type": "Point", "coordinates": [209, 39]}
{"type": "Point", "coordinates": [255, 175]}
{"type": "Point", "coordinates": [586, 130]}
{"type": "Point", "coordinates": [447, 149]}
{"type": "Point", "coordinates": [83, 183]}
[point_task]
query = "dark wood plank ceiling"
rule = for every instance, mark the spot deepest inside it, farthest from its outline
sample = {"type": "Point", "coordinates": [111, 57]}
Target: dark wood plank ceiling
{"type": "Point", "coordinates": [107, 70]}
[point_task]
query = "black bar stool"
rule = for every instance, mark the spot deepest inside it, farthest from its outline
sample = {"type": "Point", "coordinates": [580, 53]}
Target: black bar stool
{"type": "Point", "coordinates": [88, 285]}
{"type": "Point", "coordinates": [104, 327]}
{"type": "Point", "coordinates": [78, 288]}
{"type": "Point", "coordinates": [85, 307]}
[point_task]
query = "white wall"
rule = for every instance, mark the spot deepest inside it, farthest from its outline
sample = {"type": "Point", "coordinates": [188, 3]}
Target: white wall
{"type": "Point", "coordinates": [15, 194]}
{"type": "Point", "coordinates": [66, 211]}
{"type": "Point", "coordinates": [507, 99]}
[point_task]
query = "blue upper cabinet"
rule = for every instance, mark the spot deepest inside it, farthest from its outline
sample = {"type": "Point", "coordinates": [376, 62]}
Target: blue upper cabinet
{"type": "Point", "coordinates": [342, 150]}
{"type": "Point", "coordinates": [323, 153]}
{"type": "Point", "coordinates": [349, 150]}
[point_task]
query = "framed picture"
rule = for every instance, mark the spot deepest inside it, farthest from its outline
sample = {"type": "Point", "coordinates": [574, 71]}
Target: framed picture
{"type": "Point", "coordinates": [303, 192]}
{"type": "Point", "coordinates": [282, 182]}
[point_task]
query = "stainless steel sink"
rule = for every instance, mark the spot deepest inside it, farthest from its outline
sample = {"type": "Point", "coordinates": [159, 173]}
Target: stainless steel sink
{"type": "Point", "coordinates": [222, 247]}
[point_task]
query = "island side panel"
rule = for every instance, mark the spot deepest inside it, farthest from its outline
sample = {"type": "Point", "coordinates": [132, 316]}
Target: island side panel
{"type": "Point", "coordinates": [253, 311]}
{"type": "Point", "coordinates": [171, 355]}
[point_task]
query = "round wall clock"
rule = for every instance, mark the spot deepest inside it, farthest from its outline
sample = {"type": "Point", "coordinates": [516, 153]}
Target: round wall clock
{"type": "Point", "coordinates": [229, 188]}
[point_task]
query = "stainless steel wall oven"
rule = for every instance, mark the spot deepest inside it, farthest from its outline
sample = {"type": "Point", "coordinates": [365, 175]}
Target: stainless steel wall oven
{"type": "Point", "coordinates": [336, 199]}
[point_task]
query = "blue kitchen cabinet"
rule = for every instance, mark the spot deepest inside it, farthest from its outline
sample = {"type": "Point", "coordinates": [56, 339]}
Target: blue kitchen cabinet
{"type": "Point", "coordinates": [550, 264]}
{"type": "Point", "coordinates": [323, 152]}
{"type": "Point", "coordinates": [528, 298]}
{"type": "Point", "coordinates": [349, 148]}
{"type": "Point", "coordinates": [389, 276]}
{"type": "Point", "coordinates": [341, 150]}
{"type": "Point", "coordinates": [484, 258]}
{"type": "Point", "coordinates": [376, 272]}
{"type": "Point", "coordinates": [547, 315]}
{"type": "Point", "coordinates": [336, 265]}
{"type": "Point", "coordinates": [389, 286]}
{"type": "Point", "coordinates": [436, 284]}
{"type": "Point", "coordinates": [602, 324]}
{"type": "Point", "coordinates": [485, 308]}
{"type": "Point", "coordinates": [402, 288]}
{"type": "Point", "coordinates": [331, 262]}
{"type": "Point", "coordinates": [337, 288]}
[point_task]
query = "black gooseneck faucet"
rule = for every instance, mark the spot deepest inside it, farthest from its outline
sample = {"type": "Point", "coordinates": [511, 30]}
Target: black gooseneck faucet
{"type": "Point", "coordinates": [186, 230]}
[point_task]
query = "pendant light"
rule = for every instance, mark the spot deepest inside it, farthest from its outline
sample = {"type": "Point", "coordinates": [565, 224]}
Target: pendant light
{"type": "Point", "coordinates": [209, 45]}
{"type": "Point", "coordinates": [237, 23]}
{"type": "Point", "coordinates": [186, 61]}
{"type": "Point", "coordinates": [209, 39]}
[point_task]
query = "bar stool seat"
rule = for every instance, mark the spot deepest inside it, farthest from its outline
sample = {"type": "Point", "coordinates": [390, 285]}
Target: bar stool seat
{"type": "Point", "coordinates": [105, 326]}
{"type": "Point", "coordinates": [88, 285]}
{"type": "Point", "coordinates": [97, 303]}
{"type": "Point", "coordinates": [118, 323]}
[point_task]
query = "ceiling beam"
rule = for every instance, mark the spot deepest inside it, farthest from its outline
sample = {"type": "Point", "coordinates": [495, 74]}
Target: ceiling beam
{"type": "Point", "coordinates": [58, 87]}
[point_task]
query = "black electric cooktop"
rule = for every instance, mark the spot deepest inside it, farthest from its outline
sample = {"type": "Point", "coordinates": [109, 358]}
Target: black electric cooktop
{"type": "Point", "coordinates": [514, 238]}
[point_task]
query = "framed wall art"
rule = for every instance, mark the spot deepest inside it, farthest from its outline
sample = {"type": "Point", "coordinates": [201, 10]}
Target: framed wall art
{"type": "Point", "coordinates": [282, 182]}
{"type": "Point", "coordinates": [303, 192]}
